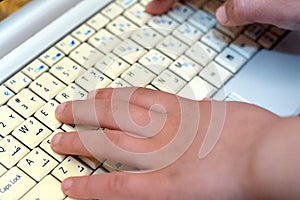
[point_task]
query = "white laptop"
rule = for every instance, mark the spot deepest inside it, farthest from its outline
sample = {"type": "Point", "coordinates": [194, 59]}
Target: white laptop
{"type": "Point", "coordinates": [52, 51]}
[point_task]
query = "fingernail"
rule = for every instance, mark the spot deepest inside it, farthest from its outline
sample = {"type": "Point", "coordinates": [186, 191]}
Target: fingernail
{"type": "Point", "coordinates": [67, 184]}
{"type": "Point", "coordinates": [56, 139]}
{"type": "Point", "coordinates": [60, 108]}
{"type": "Point", "coordinates": [221, 15]}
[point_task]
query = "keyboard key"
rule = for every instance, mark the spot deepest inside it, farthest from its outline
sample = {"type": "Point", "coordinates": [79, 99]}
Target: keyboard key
{"type": "Point", "coordinates": [99, 171]}
{"type": "Point", "coordinates": [47, 86]}
{"type": "Point", "coordinates": [71, 167]}
{"type": "Point", "coordinates": [155, 61]}
{"type": "Point", "coordinates": [68, 44]}
{"type": "Point", "coordinates": [169, 82]}
{"type": "Point", "coordinates": [201, 53]}
{"type": "Point", "coordinates": [70, 93]}
{"type": "Point", "coordinates": [14, 184]}
{"type": "Point", "coordinates": [187, 33]}
{"type": "Point", "coordinates": [185, 67]}
{"type": "Point", "coordinates": [18, 82]}
{"type": "Point", "coordinates": [37, 163]}
{"type": "Point", "coordinates": [112, 66]}
{"type": "Point", "coordinates": [230, 60]}
{"type": "Point", "coordinates": [129, 51]}
{"type": "Point", "coordinates": [104, 41]}
{"type": "Point", "coordinates": [197, 89]}
{"type": "Point", "coordinates": [9, 120]}
{"type": "Point", "coordinates": [196, 4]}
{"type": "Point", "coordinates": [112, 10]}
{"type": "Point", "coordinates": [2, 170]}
{"type": "Point", "coordinates": [119, 83]}
{"type": "Point", "coordinates": [126, 3]}
{"type": "Point", "coordinates": [52, 56]}
{"type": "Point", "coordinates": [112, 166]}
{"type": "Point", "coordinates": [202, 20]}
{"type": "Point", "coordinates": [138, 76]}
{"type": "Point", "coordinates": [66, 70]}
{"type": "Point", "coordinates": [277, 31]}
{"type": "Point", "coordinates": [245, 46]}
{"type": "Point", "coordinates": [121, 27]}
{"type": "Point", "coordinates": [212, 6]}
{"type": "Point", "coordinates": [163, 24]}
{"type": "Point", "coordinates": [46, 146]}
{"type": "Point", "coordinates": [215, 74]}
{"type": "Point", "coordinates": [180, 12]}
{"type": "Point", "coordinates": [146, 37]}
{"type": "Point", "coordinates": [172, 47]}
{"type": "Point", "coordinates": [83, 32]}
{"type": "Point", "coordinates": [92, 80]}
{"type": "Point", "coordinates": [42, 190]}
{"type": "Point", "coordinates": [137, 15]}
{"type": "Point", "coordinates": [91, 162]}
{"type": "Point", "coordinates": [98, 21]}
{"type": "Point", "coordinates": [5, 94]}
{"type": "Point", "coordinates": [31, 132]}
{"type": "Point", "coordinates": [268, 40]}
{"type": "Point", "coordinates": [46, 114]}
{"type": "Point", "coordinates": [216, 40]}
{"type": "Point", "coordinates": [232, 32]}
{"type": "Point", "coordinates": [35, 69]}
{"type": "Point", "coordinates": [254, 31]}
{"type": "Point", "coordinates": [26, 103]}
{"type": "Point", "coordinates": [11, 151]}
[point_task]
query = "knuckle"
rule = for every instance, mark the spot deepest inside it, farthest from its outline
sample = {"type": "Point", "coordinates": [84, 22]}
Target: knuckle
{"type": "Point", "coordinates": [114, 138]}
{"type": "Point", "coordinates": [116, 183]}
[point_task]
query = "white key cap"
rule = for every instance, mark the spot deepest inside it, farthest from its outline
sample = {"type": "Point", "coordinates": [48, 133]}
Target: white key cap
{"type": "Point", "coordinates": [11, 151]}
{"type": "Point", "coordinates": [245, 46]}
{"type": "Point", "coordinates": [126, 3]}
{"type": "Point", "coordinates": [92, 80]}
{"type": "Point", "coordinates": [119, 83]}
{"type": "Point", "coordinates": [83, 32]}
{"type": "Point", "coordinates": [91, 162]}
{"type": "Point", "coordinates": [201, 53]}
{"type": "Point", "coordinates": [46, 146]}
{"type": "Point", "coordinates": [137, 15]}
{"type": "Point", "coordinates": [185, 67]}
{"type": "Point", "coordinates": [254, 31]}
{"type": "Point", "coordinates": [138, 76]}
{"type": "Point", "coordinates": [31, 132]}
{"type": "Point", "coordinates": [112, 10]}
{"type": "Point", "coordinates": [232, 32]}
{"type": "Point", "coordinates": [67, 44]}
{"type": "Point", "coordinates": [104, 41]}
{"type": "Point", "coordinates": [37, 163]}
{"type": "Point", "coordinates": [268, 40]}
{"type": "Point", "coordinates": [112, 66]}
{"type": "Point", "coordinates": [99, 171]}
{"type": "Point", "coordinates": [197, 89]}
{"type": "Point", "coordinates": [203, 20]}
{"type": "Point", "coordinates": [121, 27]}
{"type": "Point", "coordinates": [46, 114]}
{"type": "Point", "coordinates": [169, 82]}
{"type": "Point", "coordinates": [212, 6]}
{"type": "Point", "coordinates": [18, 82]}
{"type": "Point", "coordinates": [163, 24]}
{"type": "Point", "coordinates": [2, 170]}
{"type": "Point", "coordinates": [146, 37]}
{"type": "Point", "coordinates": [180, 12]}
{"type": "Point", "coordinates": [70, 93]}
{"type": "Point", "coordinates": [52, 56]}
{"type": "Point", "coordinates": [5, 94]}
{"type": "Point", "coordinates": [112, 166]}
{"type": "Point", "coordinates": [155, 61]}
{"type": "Point", "coordinates": [187, 33]}
{"type": "Point", "coordinates": [129, 51]}
{"type": "Point", "coordinates": [47, 86]}
{"type": "Point", "coordinates": [35, 69]}
{"type": "Point", "coordinates": [144, 2]}
{"type": "Point", "coordinates": [42, 191]}
{"type": "Point", "coordinates": [9, 120]}
{"type": "Point", "coordinates": [71, 167]}
{"type": "Point", "coordinates": [172, 47]}
{"type": "Point", "coordinates": [66, 70]}
{"type": "Point", "coordinates": [216, 40]}
{"type": "Point", "coordinates": [26, 103]}
{"type": "Point", "coordinates": [98, 21]}
{"type": "Point", "coordinates": [86, 55]}
{"type": "Point", "coordinates": [14, 184]}
{"type": "Point", "coordinates": [230, 60]}
{"type": "Point", "coordinates": [215, 74]}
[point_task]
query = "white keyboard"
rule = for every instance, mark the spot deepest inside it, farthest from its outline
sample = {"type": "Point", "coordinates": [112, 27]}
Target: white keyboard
{"type": "Point", "coordinates": [184, 52]}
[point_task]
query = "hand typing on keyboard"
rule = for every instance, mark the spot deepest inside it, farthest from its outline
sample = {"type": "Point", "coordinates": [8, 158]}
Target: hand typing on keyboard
{"type": "Point", "coordinates": [243, 163]}
{"type": "Point", "coordinates": [241, 12]}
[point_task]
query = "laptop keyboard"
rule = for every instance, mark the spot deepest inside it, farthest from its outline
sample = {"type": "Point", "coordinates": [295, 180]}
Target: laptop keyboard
{"type": "Point", "coordinates": [185, 52]}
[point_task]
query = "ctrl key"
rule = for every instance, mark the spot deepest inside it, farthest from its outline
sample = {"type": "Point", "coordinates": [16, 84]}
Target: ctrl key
{"type": "Point", "coordinates": [14, 184]}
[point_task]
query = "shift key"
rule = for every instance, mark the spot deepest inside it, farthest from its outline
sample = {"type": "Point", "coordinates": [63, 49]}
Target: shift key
{"type": "Point", "coordinates": [14, 184]}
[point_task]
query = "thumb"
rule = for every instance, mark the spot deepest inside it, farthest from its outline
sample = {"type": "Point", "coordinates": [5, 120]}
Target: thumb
{"type": "Point", "coordinates": [284, 14]}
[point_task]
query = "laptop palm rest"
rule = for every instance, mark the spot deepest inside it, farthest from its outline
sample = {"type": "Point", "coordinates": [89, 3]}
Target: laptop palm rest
{"type": "Point", "coordinates": [271, 79]}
